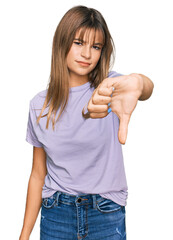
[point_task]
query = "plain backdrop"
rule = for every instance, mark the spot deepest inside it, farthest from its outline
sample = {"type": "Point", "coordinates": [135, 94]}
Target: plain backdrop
{"type": "Point", "coordinates": [142, 32]}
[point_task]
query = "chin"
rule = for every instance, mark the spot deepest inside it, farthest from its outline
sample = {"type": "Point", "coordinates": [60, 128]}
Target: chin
{"type": "Point", "coordinates": [82, 73]}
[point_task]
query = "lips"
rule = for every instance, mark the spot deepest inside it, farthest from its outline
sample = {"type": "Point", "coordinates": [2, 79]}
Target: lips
{"type": "Point", "coordinates": [83, 63]}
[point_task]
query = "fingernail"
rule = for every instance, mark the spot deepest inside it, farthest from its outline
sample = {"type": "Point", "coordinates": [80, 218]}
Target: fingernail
{"type": "Point", "coordinates": [109, 110]}
{"type": "Point", "coordinates": [109, 104]}
{"type": "Point", "coordinates": [112, 90]}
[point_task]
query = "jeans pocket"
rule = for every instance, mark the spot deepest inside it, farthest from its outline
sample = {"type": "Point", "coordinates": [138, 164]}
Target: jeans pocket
{"type": "Point", "coordinates": [107, 206]}
{"type": "Point", "coordinates": [48, 202]}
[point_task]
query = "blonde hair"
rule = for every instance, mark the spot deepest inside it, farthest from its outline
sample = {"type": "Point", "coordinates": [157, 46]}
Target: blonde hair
{"type": "Point", "coordinates": [77, 18]}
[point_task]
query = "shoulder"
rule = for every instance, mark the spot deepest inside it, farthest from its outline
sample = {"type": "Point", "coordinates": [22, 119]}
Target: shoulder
{"type": "Point", "coordinates": [38, 99]}
{"type": "Point", "coordinates": [114, 74]}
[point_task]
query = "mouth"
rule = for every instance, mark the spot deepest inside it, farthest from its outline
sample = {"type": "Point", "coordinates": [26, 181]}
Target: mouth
{"type": "Point", "coordinates": [85, 64]}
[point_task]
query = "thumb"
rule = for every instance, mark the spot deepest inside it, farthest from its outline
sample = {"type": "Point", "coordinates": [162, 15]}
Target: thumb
{"type": "Point", "coordinates": [123, 128]}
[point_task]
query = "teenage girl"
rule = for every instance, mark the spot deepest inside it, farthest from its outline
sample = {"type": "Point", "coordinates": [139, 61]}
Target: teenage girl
{"type": "Point", "coordinates": [78, 177]}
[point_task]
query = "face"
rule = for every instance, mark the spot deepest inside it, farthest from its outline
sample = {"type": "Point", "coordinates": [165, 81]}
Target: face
{"type": "Point", "coordinates": [84, 54]}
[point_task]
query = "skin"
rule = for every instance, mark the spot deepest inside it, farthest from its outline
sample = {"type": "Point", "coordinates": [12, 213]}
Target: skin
{"type": "Point", "coordinates": [83, 51]}
{"type": "Point", "coordinates": [34, 192]}
{"type": "Point", "coordinates": [128, 88]}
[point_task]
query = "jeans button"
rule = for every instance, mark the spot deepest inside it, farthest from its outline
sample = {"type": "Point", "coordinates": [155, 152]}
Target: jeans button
{"type": "Point", "coordinates": [79, 200]}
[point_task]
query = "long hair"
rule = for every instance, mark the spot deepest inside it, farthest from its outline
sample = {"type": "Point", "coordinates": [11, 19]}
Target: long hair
{"type": "Point", "coordinates": [77, 18]}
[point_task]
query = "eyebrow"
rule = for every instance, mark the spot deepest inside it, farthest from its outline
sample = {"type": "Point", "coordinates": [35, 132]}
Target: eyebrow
{"type": "Point", "coordinates": [80, 40]}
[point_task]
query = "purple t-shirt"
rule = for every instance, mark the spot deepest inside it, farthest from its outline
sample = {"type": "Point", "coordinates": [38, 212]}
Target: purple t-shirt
{"type": "Point", "coordinates": [83, 156]}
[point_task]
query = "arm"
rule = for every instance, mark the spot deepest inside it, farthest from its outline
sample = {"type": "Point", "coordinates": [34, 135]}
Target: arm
{"type": "Point", "coordinates": [147, 86]}
{"type": "Point", "coordinates": [34, 193]}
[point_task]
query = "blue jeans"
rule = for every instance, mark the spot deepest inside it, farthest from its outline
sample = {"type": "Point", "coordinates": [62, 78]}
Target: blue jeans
{"type": "Point", "coordinates": [87, 216]}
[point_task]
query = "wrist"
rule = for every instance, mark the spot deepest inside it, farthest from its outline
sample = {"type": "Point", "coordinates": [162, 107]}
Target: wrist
{"type": "Point", "coordinates": [139, 84]}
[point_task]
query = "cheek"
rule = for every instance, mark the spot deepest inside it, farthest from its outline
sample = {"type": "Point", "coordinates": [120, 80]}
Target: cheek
{"type": "Point", "coordinates": [96, 58]}
{"type": "Point", "coordinates": [74, 52]}
{"type": "Point", "coordinates": [70, 57]}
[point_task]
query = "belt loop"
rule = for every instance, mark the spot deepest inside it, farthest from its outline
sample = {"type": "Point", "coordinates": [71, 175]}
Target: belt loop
{"type": "Point", "coordinates": [94, 200]}
{"type": "Point", "coordinates": [57, 197]}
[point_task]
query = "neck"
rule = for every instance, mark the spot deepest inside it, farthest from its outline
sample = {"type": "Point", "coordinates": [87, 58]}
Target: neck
{"type": "Point", "coordinates": [77, 80]}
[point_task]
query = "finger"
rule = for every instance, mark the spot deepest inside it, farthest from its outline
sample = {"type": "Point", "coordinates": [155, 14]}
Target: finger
{"type": "Point", "coordinates": [112, 81]}
{"type": "Point", "coordinates": [97, 108]}
{"type": "Point", "coordinates": [98, 115]}
{"type": "Point", "coordinates": [105, 87]}
{"type": "Point", "coordinates": [100, 97]}
{"type": "Point", "coordinates": [88, 114]}
{"type": "Point", "coordinates": [99, 103]}
{"type": "Point", "coordinates": [104, 91]}
{"type": "Point", "coordinates": [123, 128]}
{"type": "Point", "coordinates": [100, 100]}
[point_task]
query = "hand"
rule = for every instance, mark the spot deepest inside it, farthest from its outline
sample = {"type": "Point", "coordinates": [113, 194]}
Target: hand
{"type": "Point", "coordinates": [124, 99]}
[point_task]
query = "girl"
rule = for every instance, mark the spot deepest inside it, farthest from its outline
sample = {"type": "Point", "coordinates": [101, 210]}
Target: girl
{"type": "Point", "coordinates": [78, 177]}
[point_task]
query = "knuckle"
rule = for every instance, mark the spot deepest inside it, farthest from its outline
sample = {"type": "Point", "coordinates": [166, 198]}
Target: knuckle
{"type": "Point", "coordinates": [89, 108]}
{"type": "Point", "coordinates": [94, 100]}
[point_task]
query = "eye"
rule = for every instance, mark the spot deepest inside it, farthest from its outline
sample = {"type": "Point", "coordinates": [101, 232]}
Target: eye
{"type": "Point", "coordinates": [96, 47]}
{"type": "Point", "coordinates": [78, 43]}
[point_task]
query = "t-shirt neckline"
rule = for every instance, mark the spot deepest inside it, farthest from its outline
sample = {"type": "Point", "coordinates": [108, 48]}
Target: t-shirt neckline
{"type": "Point", "coordinates": [80, 87]}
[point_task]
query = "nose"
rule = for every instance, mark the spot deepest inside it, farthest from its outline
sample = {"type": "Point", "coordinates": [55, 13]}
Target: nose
{"type": "Point", "coordinates": [86, 52]}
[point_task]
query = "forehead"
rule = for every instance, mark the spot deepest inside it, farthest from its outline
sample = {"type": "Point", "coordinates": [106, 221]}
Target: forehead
{"type": "Point", "coordinates": [90, 35]}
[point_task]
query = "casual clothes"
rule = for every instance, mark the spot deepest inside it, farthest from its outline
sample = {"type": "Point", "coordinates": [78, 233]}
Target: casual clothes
{"type": "Point", "coordinates": [89, 217]}
{"type": "Point", "coordinates": [84, 156]}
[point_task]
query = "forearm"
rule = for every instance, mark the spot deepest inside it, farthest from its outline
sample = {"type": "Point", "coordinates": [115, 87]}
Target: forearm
{"type": "Point", "coordinates": [147, 87]}
{"type": "Point", "coordinates": [33, 204]}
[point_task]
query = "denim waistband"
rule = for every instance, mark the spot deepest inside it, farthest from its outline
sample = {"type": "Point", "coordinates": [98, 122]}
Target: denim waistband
{"type": "Point", "coordinates": [82, 199]}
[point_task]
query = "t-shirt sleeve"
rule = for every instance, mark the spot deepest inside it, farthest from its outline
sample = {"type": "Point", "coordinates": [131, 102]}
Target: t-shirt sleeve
{"type": "Point", "coordinates": [114, 74]}
{"type": "Point", "coordinates": [31, 136]}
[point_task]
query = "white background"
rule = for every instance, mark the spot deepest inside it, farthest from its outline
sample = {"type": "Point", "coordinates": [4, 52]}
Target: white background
{"type": "Point", "coordinates": [142, 32]}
